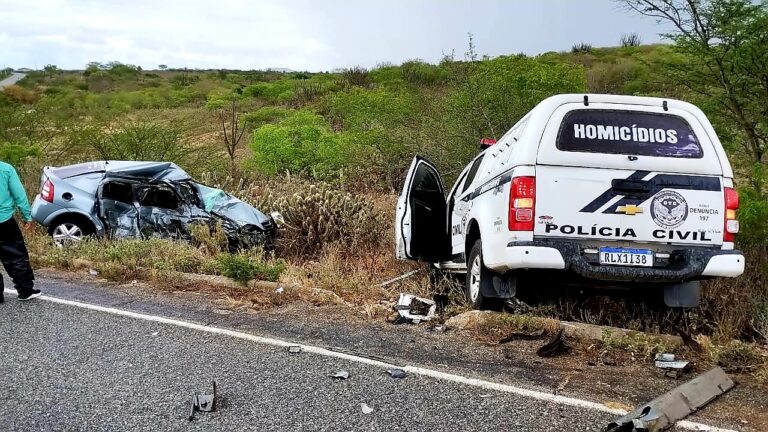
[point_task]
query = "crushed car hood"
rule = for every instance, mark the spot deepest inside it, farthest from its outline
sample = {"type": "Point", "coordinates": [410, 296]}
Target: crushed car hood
{"type": "Point", "coordinates": [218, 202]}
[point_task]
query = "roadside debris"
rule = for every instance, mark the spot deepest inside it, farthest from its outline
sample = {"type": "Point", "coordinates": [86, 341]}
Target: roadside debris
{"type": "Point", "coordinates": [515, 305]}
{"type": "Point", "coordinates": [397, 373]}
{"type": "Point", "coordinates": [399, 278]}
{"type": "Point", "coordinates": [294, 349]}
{"type": "Point", "coordinates": [93, 272]}
{"type": "Point", "coordinates": [663, 412]}
{"type": "Point", "coordinates": [414, 309]}
{"type": "Point", "coordinates": [555, 346]}
{"type": "Point", "coordinates": [279, 290]}
{"type": "Point", "coordinates": [536, 334]}
{"type": "Point", "coordinates": [203, 403]}
{"type": "Point", "coordinates": [342, 375]}
{"type": "Point", "coordinates": [672, 367]}
{"type": "Point", "coordinates": [366, 409]}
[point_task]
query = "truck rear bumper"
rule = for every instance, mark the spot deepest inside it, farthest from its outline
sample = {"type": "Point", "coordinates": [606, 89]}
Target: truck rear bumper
{"type": "Point", "coordinates": [684, 264]}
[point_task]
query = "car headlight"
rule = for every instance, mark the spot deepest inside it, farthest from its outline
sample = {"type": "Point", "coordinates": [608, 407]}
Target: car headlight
{"type": "Point", "coordinates": [277, 217]}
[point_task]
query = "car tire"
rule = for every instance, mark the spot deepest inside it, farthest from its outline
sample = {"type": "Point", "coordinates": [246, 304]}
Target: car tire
{"type": "Point", "coordinates": [68, 231]}
{"type": "Point", "coordinates": [479, 278]}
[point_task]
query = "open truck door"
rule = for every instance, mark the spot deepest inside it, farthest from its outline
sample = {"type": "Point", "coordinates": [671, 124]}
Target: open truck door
{"type": "Point", "coordinates": [421, 228]}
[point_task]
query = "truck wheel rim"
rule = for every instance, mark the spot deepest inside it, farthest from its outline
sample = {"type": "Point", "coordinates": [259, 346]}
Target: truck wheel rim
{"type": "Point", "coordinates": [66, 234]}
{"type": "Point", "coordinates": [474, 279]}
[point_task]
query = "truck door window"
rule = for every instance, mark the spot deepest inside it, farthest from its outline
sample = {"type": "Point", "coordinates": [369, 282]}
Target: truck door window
{"type": "Point", "coordinates": [472, 173]}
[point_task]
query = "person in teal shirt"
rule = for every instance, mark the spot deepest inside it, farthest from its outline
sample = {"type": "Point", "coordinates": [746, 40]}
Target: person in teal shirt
{"type": "Point", "coordinates": [13, 251]}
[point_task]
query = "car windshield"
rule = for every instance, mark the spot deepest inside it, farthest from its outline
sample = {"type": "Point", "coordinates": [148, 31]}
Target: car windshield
{"type": "Point", "coordinates": [211, 196]}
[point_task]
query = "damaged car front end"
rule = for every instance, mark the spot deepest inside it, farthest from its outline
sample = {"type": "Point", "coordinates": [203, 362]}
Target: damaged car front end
{"type": "Point", "coordinates": [126, 199]}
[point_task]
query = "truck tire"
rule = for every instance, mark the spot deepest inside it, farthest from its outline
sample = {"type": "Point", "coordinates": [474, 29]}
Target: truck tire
{"type": "Point", "coordinates": [479, 278]}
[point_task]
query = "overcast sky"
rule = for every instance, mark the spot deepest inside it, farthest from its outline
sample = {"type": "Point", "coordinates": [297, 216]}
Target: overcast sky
{"type": "Point", "coordinates": [299, 34]}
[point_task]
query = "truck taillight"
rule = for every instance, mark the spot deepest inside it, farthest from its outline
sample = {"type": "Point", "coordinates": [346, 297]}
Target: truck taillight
{"type": "Point", "coordinates": [46, 192]}
{"type": "Point", "coordinates": [522, 197]}
{"type": "Point", "coordinates": [731, 205]}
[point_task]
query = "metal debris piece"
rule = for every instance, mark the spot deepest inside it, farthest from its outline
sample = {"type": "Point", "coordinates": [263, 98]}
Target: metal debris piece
{"type": "Point", "coordinates": [663, 412]}
{"type": "Point", "coordinates": [399, 278]}
{"type": "Point", "coordinates": [523, 336]}
{"type": "Point", "coordinates": [415, 309]}
{"type": "Point", "coordinates": [397, 373]}
{"type": "Point", "coordinates": [203, 403]}
{"type": "Point", "coordinates": [294, 349]}
{"type": "Point", "coordinates": [555, 346]}
{"type": "Point", "coordinates": [672, 367]}
{"type": "Point", "coordinates": [515, 305]}
{"type": "Point", "coordinates": [342, 374]}
{"type": "Point", "coordinates": [366, 409]}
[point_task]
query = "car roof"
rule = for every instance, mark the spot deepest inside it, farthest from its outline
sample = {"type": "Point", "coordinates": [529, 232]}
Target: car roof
{"type": "Point", "coordinates": [147, 169]}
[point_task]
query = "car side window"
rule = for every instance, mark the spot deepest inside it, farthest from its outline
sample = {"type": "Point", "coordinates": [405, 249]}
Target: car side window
{"type": "Point", "coordinates": [472, 173]}
{"type": "Point", "coordinates": [158, 196]}
{"type": "Point", "coordinates": [117, 191]}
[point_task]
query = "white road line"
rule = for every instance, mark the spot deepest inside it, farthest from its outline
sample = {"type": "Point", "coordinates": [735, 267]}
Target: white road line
{"type": "Point", "coordinates": [487, 385]}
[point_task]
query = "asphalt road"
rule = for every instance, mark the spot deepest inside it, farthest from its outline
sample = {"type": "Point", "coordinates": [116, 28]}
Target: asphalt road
{"type": "Point", "coordinates": [91, 355]}
{"type": "Point", "coordinates": [12, 79]}
{"type": "Point", "coordinates": [69, 368]}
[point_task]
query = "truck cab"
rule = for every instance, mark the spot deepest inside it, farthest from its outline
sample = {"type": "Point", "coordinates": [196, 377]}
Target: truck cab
{"type": "Point", "coordinates": [598, 189]}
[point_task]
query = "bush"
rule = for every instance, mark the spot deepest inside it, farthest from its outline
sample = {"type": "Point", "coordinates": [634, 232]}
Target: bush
{"type": "Point", "coordinates": [418, 72]}
{"type": "Point", "coordinates": [581, 48]}
{"type": "Point", "coordinates": [19, 94]}
{"type": "Point", "coordinates": [302, 143]}
{"type": "Point", "coordinates": [243, 267]}
{"type": "Point", "coordinates": [630, 40]}
{"type": "Point", "coordinates": [356, 76]}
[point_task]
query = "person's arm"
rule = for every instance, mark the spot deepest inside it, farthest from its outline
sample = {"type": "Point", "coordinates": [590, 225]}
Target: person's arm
{"type": "Point", "coordinates": [19, 196]}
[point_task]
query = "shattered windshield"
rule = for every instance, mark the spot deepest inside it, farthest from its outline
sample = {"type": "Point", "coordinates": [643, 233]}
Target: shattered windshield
{"type": "Point", "coordinates": [211, 196]}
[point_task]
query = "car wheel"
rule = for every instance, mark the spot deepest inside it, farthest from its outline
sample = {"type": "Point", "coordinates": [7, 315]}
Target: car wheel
{"type": "Point", "coordinates": [68, 233]}
{"type": "Point", "coordinates": [479, 278]}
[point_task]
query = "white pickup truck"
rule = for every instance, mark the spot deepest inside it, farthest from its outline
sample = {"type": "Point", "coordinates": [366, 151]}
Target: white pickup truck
{"type": "Point", "coordinates": [603, 190]}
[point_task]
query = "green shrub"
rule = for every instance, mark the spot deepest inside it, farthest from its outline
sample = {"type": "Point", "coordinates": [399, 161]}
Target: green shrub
{"type": "Point", "coordinates": [243, 267]}
{"type": "Point", "coordinates": [302, 143]}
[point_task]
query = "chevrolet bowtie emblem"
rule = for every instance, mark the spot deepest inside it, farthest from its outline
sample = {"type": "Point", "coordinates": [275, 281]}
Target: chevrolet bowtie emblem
{"type": "Point", "coordinates": [629, 209]}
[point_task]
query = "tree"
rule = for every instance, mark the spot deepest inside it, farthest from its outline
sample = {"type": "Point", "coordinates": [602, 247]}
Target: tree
{"type": "Point", "coordinates": [236, 130]}
{"type": "Point", "coordinates": [726, 48]}
{"type": "Point", "coordinates": [51, 70]}
{"type": "Point", "coordinates": [724, 44]}
{"type": "Point", "coordinates": [162, 67]}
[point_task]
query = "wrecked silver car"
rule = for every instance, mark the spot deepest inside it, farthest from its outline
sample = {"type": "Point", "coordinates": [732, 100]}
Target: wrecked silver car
{"type": "Point", "coordinates": [128, 199]}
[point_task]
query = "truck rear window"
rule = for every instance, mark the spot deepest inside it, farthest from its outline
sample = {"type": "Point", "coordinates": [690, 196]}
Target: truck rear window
{"type": "Point", "coordinates": [629, 133]}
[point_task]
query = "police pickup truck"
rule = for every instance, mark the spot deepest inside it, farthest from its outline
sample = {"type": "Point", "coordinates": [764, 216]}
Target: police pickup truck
{"type": "Point", "coordinates": [601, 190]}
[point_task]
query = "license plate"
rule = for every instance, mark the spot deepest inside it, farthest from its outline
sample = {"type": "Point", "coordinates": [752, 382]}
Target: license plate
{"type": "Point", "coordinates": [626, 257]}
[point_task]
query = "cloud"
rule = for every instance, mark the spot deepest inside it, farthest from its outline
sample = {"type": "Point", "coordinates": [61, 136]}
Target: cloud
{"type": "Point", "coordinates": [297, 34]}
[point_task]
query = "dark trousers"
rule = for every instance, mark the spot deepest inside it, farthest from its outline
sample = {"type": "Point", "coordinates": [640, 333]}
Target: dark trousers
{"type": "Point", "coordinates": [13, 254]}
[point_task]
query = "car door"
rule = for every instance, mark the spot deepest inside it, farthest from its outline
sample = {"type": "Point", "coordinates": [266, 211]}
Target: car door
{"type": "Point", "coordinates": [456, 209]}
{"type": "Point", "coordinates": [162, 213]}
{"type": "Point", "coordinates": [118, 209]}
{"type": "Point", "coordinates": [421, 229]}
{"type": "Point", "coordinates": [462, 203]}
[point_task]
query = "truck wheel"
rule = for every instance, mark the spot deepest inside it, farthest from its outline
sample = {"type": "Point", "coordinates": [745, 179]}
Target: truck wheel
{"type": "Point", "coordinates": [479, 278]}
